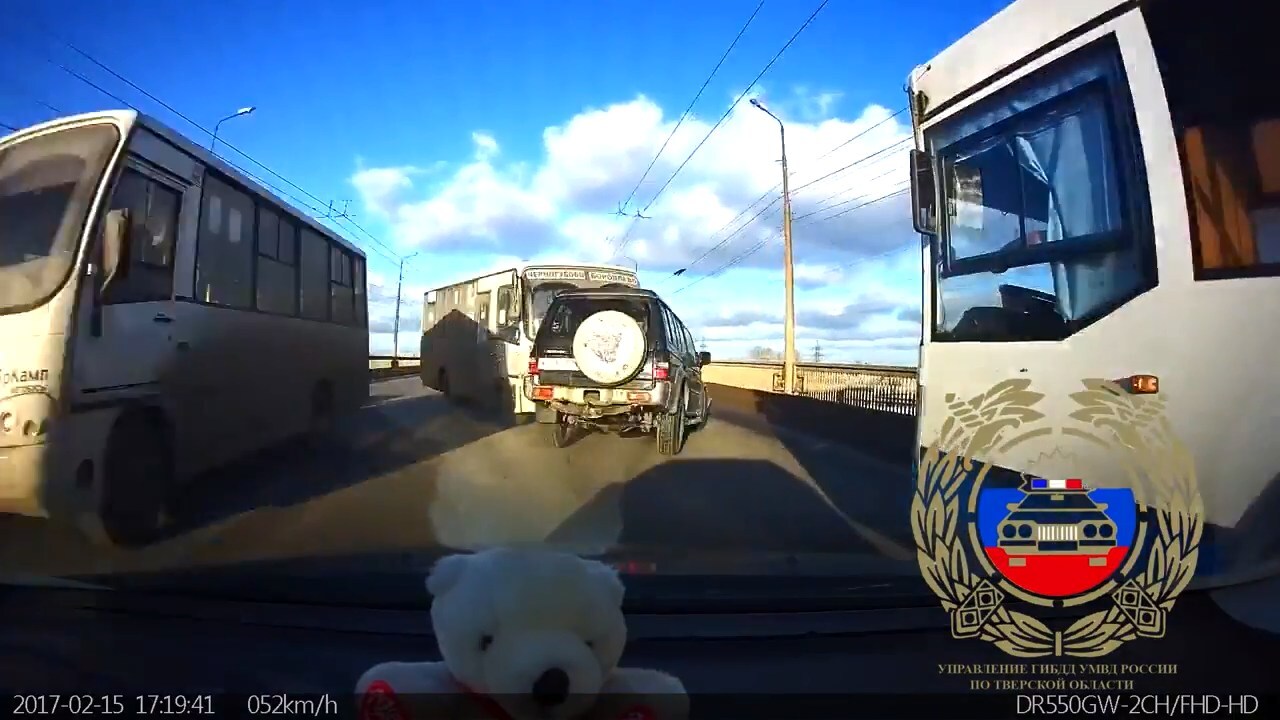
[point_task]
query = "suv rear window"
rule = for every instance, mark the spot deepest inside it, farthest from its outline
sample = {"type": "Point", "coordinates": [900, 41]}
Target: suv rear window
{"type": "Point", "coordinates": [568, 313]}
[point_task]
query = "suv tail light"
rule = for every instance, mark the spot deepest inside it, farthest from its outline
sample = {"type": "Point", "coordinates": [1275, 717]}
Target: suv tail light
{"type": "Point", "coordinates": [533, 368]}
{"type": "Point", "coordinates": [661, 371]}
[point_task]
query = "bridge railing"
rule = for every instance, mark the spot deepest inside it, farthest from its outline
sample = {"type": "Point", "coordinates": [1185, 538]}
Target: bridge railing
{"type": "Point", "coordinates": [381, 366]}
{"type": "Point", "coordinates": [886, 388]}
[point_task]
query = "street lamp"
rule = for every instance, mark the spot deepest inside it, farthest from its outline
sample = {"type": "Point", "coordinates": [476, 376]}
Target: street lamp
{"type": "Point", "coordinates": [789, 353]}
{"type": "Point", "coordinates": [395, 330]}
{"type": "Point", "coordinates": [236, 114]}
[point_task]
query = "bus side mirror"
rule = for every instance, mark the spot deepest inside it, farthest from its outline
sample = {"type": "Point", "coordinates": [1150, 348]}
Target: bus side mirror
{"type": "Point", "coordinates": [115, 246]}
{"type": "Point", "coordinates": [924, 205]}
{"type": "Point", "coordinates": [509, 334]}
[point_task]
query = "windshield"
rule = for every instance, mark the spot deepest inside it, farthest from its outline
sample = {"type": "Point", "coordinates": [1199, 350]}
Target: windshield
{"type": "Point", "coordinates": [281, 398]}
{"type": "Point", "coordinates": [1037, 239]}
{"type": "Point", "coordinates": [46, 185]}
{"type": "Point", "coordinates": [540, 297]}
{"type": "Point", "coordinates": [570, 312]}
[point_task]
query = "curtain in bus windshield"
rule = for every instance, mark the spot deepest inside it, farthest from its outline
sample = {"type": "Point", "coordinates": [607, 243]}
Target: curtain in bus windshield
{"type": "Point", "coordinates": [1071, 191]}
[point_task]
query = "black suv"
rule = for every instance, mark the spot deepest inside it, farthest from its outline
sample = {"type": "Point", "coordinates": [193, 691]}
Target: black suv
{"type": "Point", "coordinates": [617, 359]}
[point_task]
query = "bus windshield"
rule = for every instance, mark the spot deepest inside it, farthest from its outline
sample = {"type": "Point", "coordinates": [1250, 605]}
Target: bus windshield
{"type": "Point", "coordinates": [46, 186]}
{"type": "Point", "coordinates": [540, 297]}
{"type": "Point", "coordinates": [1037, 238]}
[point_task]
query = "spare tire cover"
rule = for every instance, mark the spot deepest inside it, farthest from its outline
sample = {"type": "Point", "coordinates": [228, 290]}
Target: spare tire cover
{"type": "Point", "coordinates": [609, 347]}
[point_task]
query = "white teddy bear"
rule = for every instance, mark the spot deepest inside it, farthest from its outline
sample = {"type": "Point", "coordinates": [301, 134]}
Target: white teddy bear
{"type": "Point", "coordinates": [525, 635]}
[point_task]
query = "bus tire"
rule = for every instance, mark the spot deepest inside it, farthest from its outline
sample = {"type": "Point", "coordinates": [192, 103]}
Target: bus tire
{"type": "Point", "coordinates": [138, 477]}
{"type": "Point", "coordinates": [321, 423]}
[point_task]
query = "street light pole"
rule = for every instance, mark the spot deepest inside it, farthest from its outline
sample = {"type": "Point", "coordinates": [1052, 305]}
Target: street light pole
{"type": "Point", "coordinates": [395, 330]}
{"type": "Point", "coordinates": [242, 111]}
{"type": "Point", "coordinates": [789, 317]}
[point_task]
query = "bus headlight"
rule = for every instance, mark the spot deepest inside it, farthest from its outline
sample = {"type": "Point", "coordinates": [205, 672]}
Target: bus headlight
{"type": "Point", "coordinates": [28, 413]}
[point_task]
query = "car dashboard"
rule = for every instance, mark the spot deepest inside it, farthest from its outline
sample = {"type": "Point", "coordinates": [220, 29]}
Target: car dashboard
{"type": "Point", "coordinates": [84, 641]}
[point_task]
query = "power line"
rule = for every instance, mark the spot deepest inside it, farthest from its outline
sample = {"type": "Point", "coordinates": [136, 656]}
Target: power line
{"type": "Point", "coordinates": [182, 115]}
{"type": "Point", "coordinates": [256, 178]}
{"type": "Point", "coordinates": [728, 112]}
{"type": "Point", "coordinates": [631, 196]}
{"type": "Point", "coordinates": [849, 166]}
{"type": "Point", "coordinates": [741, 229]}
{"type": "Point", "coordinates": [864, 132]}
{"type": "Point", "coordinates": [760, 245]}
{"type": "Point", "coordinates": [21, 90]}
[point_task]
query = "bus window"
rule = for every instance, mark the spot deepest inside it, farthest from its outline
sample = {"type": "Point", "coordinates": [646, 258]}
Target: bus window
{"type": "Point", "coordinates": [224, 266]}
{"type": "Point", "coordinates": [315, 276]}
{"type": "Point", "coordinates": [342, 298]}
{"type": "Point", "coordinates": [508, 307]}
{"type": "Point", "coordinates": [1228, 126]}
{"type": "Point", "coordinates": [277, 278]}
{"type": "Point", "coordinates": [153, 208]}
{"type": "Point", "coordinates": [361, 309]}
{"type": "Point", "coordinates": [1039, 236]}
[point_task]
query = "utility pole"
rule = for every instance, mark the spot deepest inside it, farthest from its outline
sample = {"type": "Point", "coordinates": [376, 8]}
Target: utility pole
{"type": "Point", "coordinates": [395, 329]}
{"type": "Point", "coordinates": [817, 351]}
{"type": "Point", "coordinates": [789, 327]}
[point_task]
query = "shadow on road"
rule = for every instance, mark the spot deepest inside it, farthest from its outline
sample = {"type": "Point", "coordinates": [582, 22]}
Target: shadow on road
{"type": "Point", "coordinates": [746, 506]}
{"type": "Point", "coordinates": [860, 461]}
{"type": "Point", "coordinates": [376, 441]}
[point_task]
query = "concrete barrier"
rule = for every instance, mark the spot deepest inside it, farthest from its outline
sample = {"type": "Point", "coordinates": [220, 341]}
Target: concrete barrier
{"type": "Point", "coordinates": [889, 436]}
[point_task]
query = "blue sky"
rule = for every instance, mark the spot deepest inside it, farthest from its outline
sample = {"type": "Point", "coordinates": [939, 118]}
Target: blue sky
{"type": "Point", "coordinates": [481, 134]}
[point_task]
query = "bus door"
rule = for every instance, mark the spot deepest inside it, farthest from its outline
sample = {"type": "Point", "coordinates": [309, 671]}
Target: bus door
{"type": "Point", "coordinates": [483, 348]}
{"type": "Point", "coordinates": [133, 351]}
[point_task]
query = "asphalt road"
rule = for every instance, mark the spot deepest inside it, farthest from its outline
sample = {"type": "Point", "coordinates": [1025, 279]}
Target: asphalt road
{"type": "Point", "coordinates": [411, 471]}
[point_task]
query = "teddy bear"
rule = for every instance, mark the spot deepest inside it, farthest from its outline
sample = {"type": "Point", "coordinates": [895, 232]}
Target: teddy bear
{"type": "Point", "coordinates": [526, 634]}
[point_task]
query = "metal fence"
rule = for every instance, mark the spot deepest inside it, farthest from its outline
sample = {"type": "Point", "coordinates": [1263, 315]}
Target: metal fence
{"type": "Point", "coordinates": [384, 366]}
{"type": "Point", "coordinates": [873, 387]}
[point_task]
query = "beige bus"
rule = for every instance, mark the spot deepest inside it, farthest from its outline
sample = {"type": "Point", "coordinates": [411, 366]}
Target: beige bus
{"type": "Point", "coordinates": [476, 334]}
{"type": "Point", "coordinates": [160, 314]}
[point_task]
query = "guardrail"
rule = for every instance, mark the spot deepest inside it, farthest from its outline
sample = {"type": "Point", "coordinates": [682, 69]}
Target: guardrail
{"type": "Point", "coordinates": [885, 388]}
{"type": "Point", "coordinates": [383, 366]}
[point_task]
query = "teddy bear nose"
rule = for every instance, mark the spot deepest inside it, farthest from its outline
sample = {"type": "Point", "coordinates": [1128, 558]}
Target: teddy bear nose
{"type": "Point", "coordinates": [551, 688]}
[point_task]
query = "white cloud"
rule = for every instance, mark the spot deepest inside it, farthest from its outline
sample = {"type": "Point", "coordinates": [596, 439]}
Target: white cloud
{"type": "Point", "coordinates": [486, 146]}
{"type": "Point", "coordinates": [488, 208]}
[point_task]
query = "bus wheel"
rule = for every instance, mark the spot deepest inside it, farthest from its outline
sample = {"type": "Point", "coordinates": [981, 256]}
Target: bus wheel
{"type": "Point", "coordinates": [137, 480]}
{"type": "Point", "coordinates": [322, 419]}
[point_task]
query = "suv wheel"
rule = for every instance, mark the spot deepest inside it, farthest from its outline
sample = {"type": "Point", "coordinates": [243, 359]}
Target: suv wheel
{"type": "Point", "coordinates": [671, 427]}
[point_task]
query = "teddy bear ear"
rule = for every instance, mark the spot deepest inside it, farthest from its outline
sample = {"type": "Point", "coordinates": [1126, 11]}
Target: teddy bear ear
{"type": "Point", "coordinates": [610, 578]}
{"type": "Point", "coordinates": [445, 573]}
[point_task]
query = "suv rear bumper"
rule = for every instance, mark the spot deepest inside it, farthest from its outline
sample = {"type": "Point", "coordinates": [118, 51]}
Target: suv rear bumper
{"type": "Point", "coordinates": [596, 402]}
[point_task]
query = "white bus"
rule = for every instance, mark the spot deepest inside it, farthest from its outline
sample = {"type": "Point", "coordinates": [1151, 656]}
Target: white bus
{"type": "Point", "coordinates": [160, 314]}
{"type": "Point", "coordinates": [1108, 174]}
{"type": "Point", "coordinates": [476, 334]}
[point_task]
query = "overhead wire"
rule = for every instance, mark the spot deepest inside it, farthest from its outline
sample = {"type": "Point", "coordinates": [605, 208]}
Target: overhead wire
{"type": "Point", "coordinates": [760, 245]}
{"type": "Point", "coordinates": [776, 186]}
{"type": "Point", "coordinates": [778, 55]}
{"type": "Point", "coordinates": [631, 196]}
{"type": "Point", "coordinates": [188, 119]}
